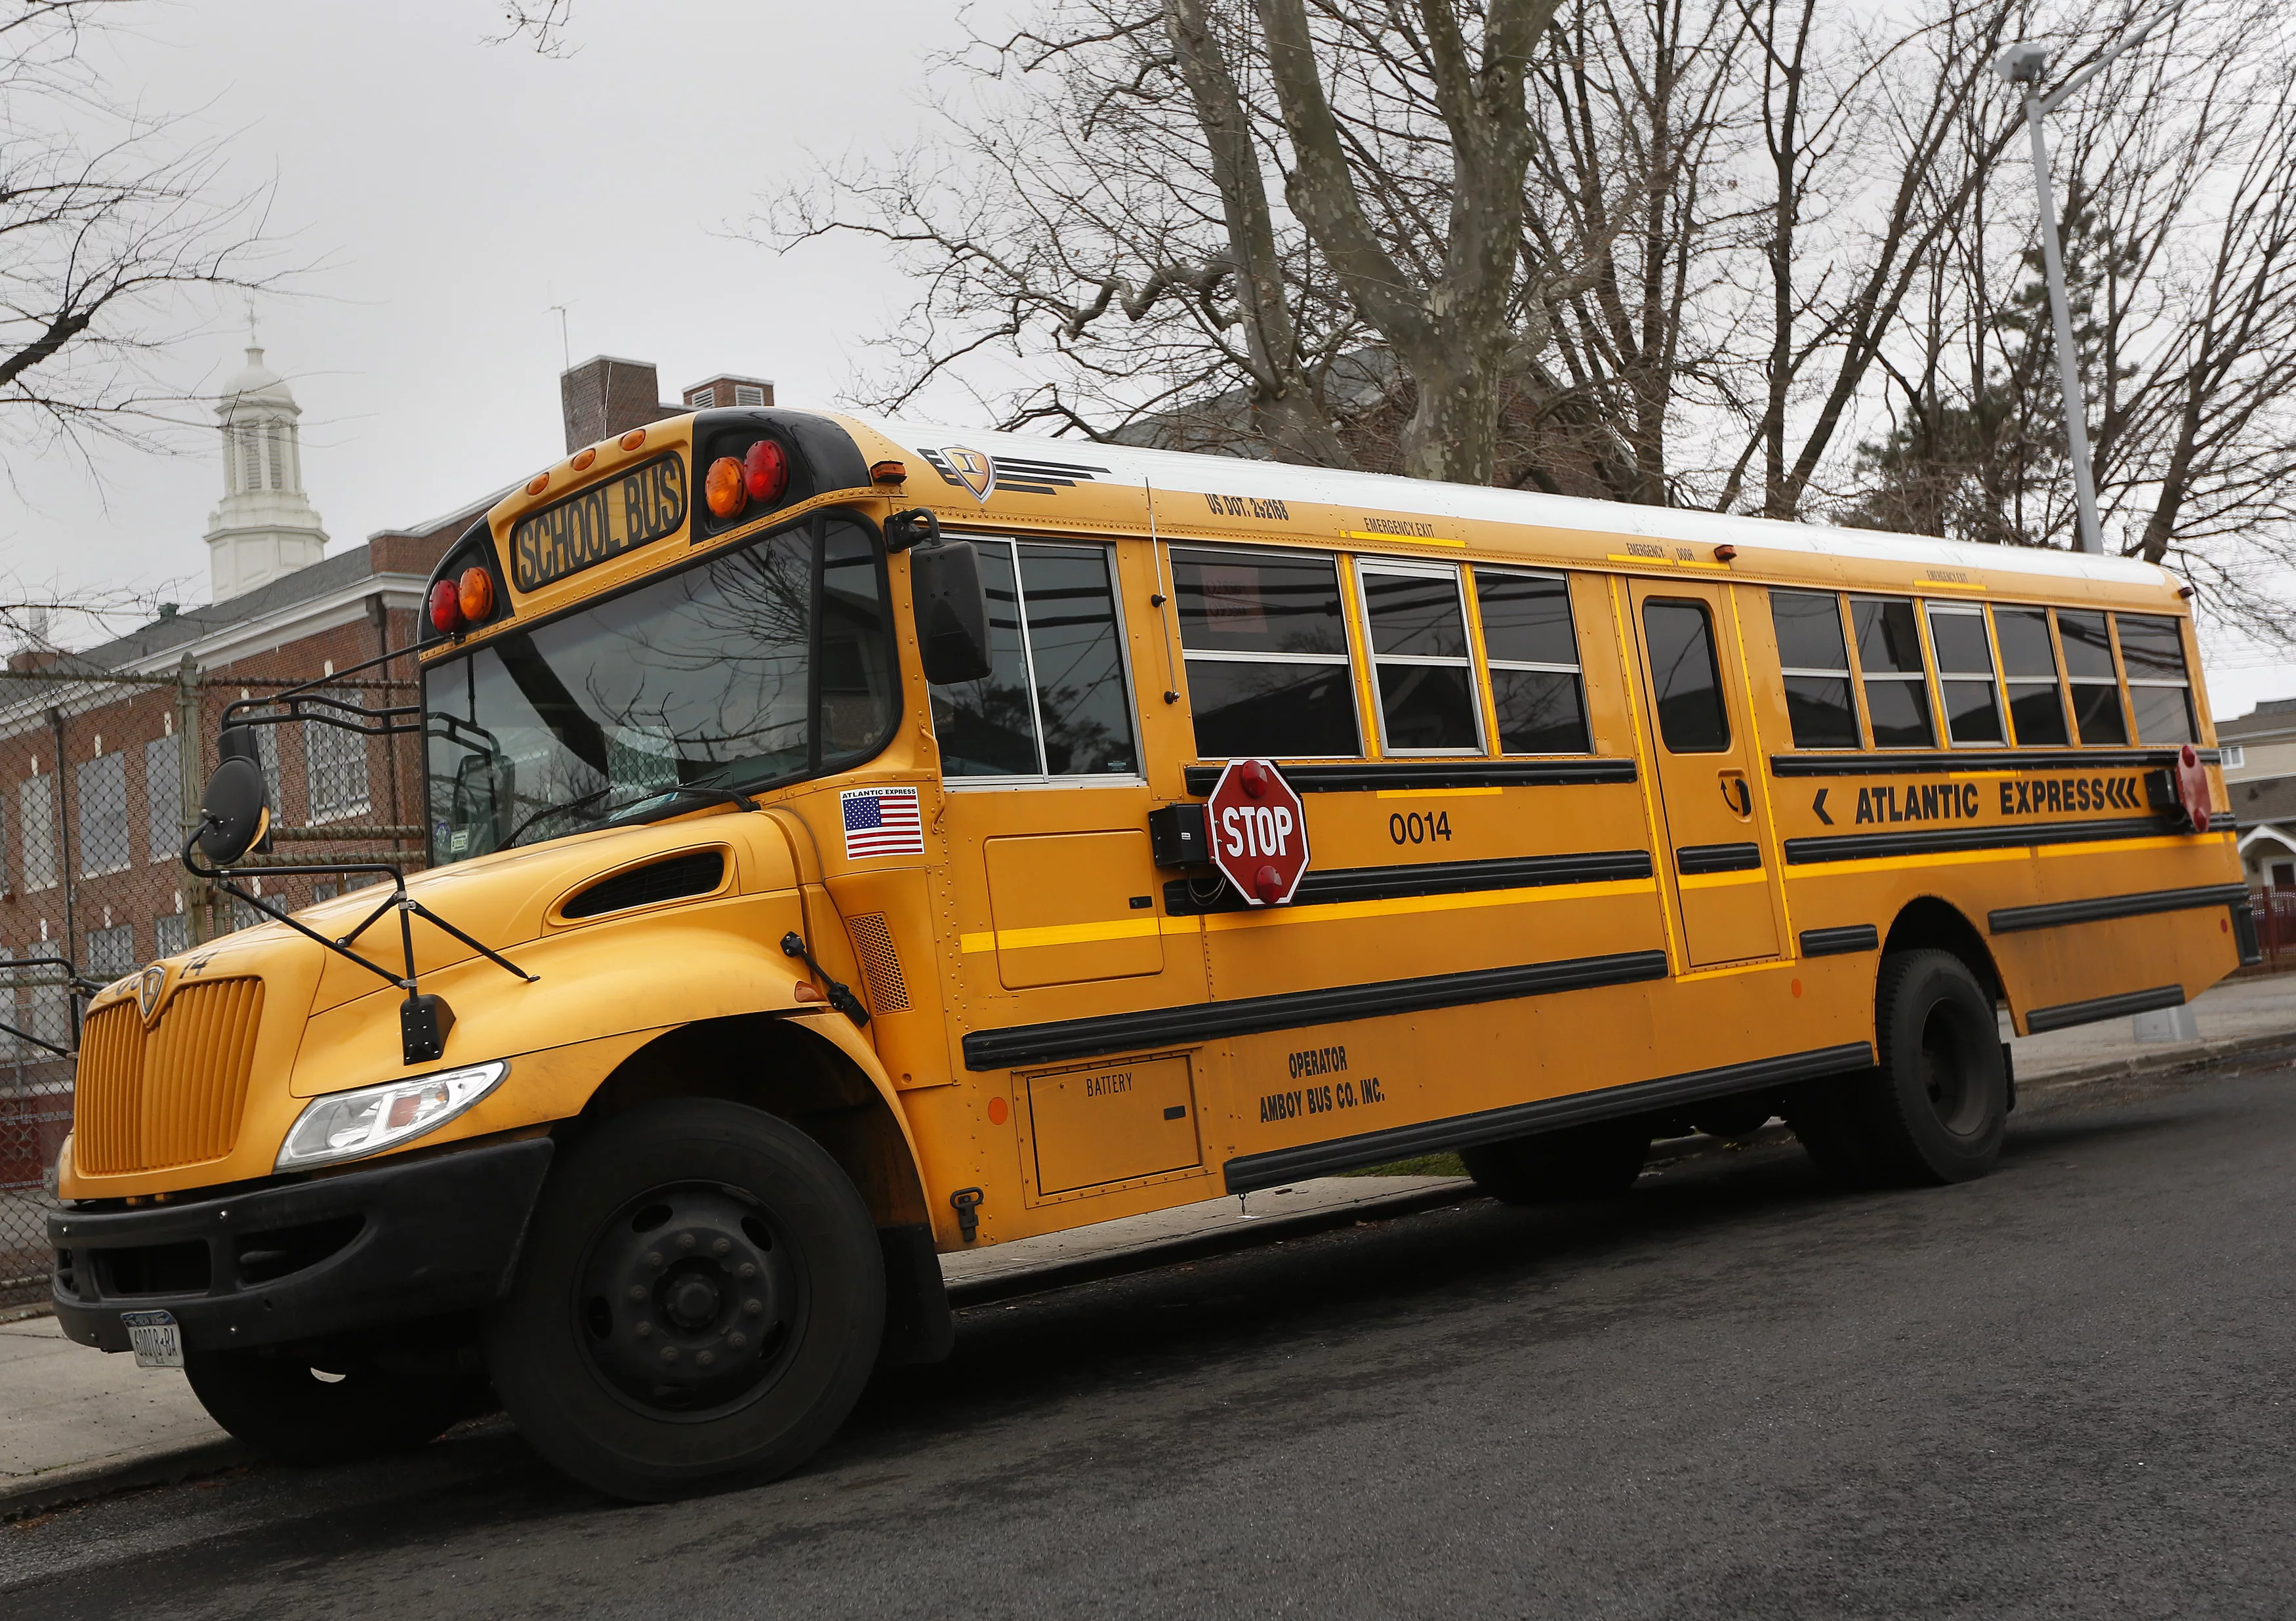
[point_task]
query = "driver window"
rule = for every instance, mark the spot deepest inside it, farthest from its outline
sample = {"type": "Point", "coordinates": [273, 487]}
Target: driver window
{"type": "Point", "coordinates": [1055, 702]}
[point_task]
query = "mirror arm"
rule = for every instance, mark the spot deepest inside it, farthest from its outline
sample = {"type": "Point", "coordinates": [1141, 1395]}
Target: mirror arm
{"type": "Point", "coordinates": [917, 527]}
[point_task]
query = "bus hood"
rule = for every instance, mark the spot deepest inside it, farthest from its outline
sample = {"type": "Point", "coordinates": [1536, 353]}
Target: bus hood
{"type": "Point", "coordinates": [518, 897]}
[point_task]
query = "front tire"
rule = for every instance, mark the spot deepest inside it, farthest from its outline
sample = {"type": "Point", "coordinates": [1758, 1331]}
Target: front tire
{"type": "Point", "coordinates": [338, 1411]}
{"type": "Point", "coordinates": [700, 1303]}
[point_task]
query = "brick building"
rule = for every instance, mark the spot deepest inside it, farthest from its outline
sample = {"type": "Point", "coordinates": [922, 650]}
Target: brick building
{"type": "Point", "coordinates": [98, 779]}
{"type": "Point", "coordinates": [97, 786]}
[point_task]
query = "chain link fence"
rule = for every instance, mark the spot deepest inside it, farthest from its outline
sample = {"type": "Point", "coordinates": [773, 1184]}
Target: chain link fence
{"type": "Point", "coordinates": [37, 1041]}
{"type": "Point", "coordinates": [90, 843]}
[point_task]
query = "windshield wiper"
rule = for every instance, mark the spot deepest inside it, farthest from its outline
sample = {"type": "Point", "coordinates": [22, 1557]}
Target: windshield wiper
{"type": "Point", "coordinates": [553, 810]}
{"type": "Point", "coordinates": [662, 804]}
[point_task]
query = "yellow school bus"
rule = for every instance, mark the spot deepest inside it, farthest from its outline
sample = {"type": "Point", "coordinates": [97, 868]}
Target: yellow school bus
{"type": "Point", "coordinates": [820, 883]}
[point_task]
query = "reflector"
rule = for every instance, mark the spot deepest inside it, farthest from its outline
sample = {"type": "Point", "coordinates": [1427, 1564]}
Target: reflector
{"type": "Point", "coordinates": [538, 484]}
{"type": "Point", "coordinates": [474, 593]}
{"type": "Point", "coordinates": [445, 607]}
{"type": "Point", "coordinates": [582, 461]}
{"type": "Point", "coordinates": [723, 489]}
{"type": "Point", "coordinates": [765, 470]}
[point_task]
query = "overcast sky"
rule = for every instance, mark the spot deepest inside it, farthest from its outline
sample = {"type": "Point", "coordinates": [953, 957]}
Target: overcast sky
{"type": "Point", "coordinates": [453, 191]}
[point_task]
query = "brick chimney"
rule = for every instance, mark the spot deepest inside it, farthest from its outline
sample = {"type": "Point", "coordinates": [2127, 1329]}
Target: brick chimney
{"type": "Point", "coordinates": [728, 390]}
{"type": "Point", "coordinates": [604, 396]}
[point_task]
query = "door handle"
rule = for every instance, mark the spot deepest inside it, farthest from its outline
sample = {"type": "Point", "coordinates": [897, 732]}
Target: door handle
{"type": "Point", "coordinates": [1738, 796]}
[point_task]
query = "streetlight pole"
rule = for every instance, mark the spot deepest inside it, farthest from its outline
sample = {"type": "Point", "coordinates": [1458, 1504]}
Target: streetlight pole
{"type": "Point", "coordinates": [2025, 65]}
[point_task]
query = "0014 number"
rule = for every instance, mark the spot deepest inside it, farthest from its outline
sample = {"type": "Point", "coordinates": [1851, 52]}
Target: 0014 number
{"type": "Point", "coordinates": [1419, 829]}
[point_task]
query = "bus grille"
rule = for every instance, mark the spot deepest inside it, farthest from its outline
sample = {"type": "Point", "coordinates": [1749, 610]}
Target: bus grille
{"type": "Point", "coordinates": [147, 1100]}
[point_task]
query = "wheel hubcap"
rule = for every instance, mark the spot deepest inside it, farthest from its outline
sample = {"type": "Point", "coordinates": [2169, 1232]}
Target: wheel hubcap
{"type": "Point", "coordinates": [1949, 1073]}
{"type": "Point", "coordinates": [686, 1298]}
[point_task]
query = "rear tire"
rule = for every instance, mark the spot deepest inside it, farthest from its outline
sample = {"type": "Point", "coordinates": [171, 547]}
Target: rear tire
{"type": "Point", "coordinates": [1935, 1109]}
{"type": "Point", "coordinates": [276, 1402]}
{"type": "Point", "coordinates": [1582, 1162]}
{"type": "Point", "coordinates": [700, 1303]}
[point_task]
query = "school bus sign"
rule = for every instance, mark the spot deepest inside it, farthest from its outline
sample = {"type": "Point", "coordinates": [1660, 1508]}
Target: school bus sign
{"type": "Point", "coordinates": [1259, 831]}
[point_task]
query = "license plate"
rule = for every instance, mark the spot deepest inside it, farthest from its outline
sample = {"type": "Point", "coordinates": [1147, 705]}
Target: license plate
{"type": "Point", "coordinates": [154, 1339]}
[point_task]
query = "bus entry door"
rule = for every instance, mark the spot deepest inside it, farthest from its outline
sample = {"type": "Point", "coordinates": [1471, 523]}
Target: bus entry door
{"type": "Point", "coordinates": [1703, 759]}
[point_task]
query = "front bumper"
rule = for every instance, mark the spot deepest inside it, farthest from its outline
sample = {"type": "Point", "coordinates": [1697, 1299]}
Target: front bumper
{"type": "Point", "coordinates": [326, 1256]}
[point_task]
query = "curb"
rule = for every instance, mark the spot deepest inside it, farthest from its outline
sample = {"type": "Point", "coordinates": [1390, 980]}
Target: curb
{"type": "Point", "coordinates": [2205, 1055]}
{"type": "Point", "coordinates": [1223, 1241]}
{"type": "Point", "coordinates": [81, 1482]}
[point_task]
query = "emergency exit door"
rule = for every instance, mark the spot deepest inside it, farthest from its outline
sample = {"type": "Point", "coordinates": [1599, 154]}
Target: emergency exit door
{"type": "Point", "coordinates": [1703, 761]}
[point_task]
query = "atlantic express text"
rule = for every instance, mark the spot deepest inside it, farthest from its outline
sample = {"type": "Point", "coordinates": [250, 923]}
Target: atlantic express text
{"type": "Point", "coordinates": [1963, 801]}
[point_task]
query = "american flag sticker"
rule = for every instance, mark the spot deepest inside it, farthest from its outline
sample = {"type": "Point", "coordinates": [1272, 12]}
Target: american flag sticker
{"type": "Point", "coordinates": [883, 822]}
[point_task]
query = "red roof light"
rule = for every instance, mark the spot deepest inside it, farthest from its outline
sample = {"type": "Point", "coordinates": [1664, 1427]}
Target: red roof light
{"type": "Point", "coordinates": [765, 470]}
{"type": "Point", "coordinates": [445, 608]}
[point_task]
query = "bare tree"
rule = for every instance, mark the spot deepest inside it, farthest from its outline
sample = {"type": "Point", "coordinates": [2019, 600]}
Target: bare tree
{"type": "Point", "coordinates": [1142, 179]}
{"type": "Point", "coordinates": [114, 229]}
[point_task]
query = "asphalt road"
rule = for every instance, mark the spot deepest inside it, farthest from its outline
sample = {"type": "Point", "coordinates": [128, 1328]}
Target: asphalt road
{"type": "Point", "coordinates": [2064, 1390]}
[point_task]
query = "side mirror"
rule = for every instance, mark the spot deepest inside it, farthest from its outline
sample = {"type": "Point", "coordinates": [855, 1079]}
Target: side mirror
{"type": "Point", "coordinates": [235, 810]}
{"type": "Point", "coordinates": [952, 611]}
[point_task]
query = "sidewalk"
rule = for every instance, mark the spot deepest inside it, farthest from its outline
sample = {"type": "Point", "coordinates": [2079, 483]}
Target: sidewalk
{"type": "Point", "coordinates": [78, 1423]}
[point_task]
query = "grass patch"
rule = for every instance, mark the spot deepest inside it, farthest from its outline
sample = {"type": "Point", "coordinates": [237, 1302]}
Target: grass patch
{"type": "Point", "coordinates": [1423, 1164]}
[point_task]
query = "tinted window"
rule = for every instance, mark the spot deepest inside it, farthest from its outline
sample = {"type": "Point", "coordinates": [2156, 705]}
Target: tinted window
{"type": "Point", "coordinates": [1258, 605]}
{"type": "Point", "coordinates": [1271, 710]}
{"type": "Point", "coordinates": [2089, 675]}
{"type": "Point", "coordinates": [2151, 650]}
{"type": "Point", "coordinates": [2088, 648]}
{"type": "Point", "coordinates": [1687, 683]}
{"type": "Point", "coordinates": [1425, 680]}
{"type": "Point", "coordinates": [1889, 658]}
{"type": "Point", "coordinates": [1054, 702]}
{"type": "Point", "coordinates": [2153, 657]}
{"type": "Point", "coordinates": [1526, 619]}
{"type": "Point", "coordinates": [1266, 652]}
{"type": "Point", "coordinates": [2036, 704]}
{"type": "Point", "coordinates": [1973, 706]}
{"type": "Point", "coordinates": [1815, 660]}
{"type": "Point", "coordinates": [1533, 652]}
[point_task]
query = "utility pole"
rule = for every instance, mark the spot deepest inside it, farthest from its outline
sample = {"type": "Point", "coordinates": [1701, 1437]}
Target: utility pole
{"type": "Point", "coordinates": [2027, 64]}
{"type": "Point", "coordinates": [192, 893]}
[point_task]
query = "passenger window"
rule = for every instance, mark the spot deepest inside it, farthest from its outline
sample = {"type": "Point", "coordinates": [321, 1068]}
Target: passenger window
{"type": "Point", "coordinates": [1053, 702]}
{"type": "Point", "coordinates": [1680, 640]}
{"type": "Point", "coordinates": [2037, 710]}
{"type": "Point", "coordinates": [2153, 654]}
{"type": "Point", "coordinates": [1964, 662]}
{"type": "Point", "coordinates": [1816, 661]}
{"type": "Point", "coordinates": [1421, 673]}
{"type": "Point", "coordinates": [1532, 648]}
{"type": "Point", "coordinates": [1889, 658]}
{"type": "Point", "coordinates": [2089, 675]}
{"type": "Point", "coordinates": [1267, 650]}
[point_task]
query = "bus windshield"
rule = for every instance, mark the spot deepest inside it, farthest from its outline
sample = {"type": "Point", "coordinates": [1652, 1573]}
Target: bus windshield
{"type": "Point", "coordinates": [770, 662]}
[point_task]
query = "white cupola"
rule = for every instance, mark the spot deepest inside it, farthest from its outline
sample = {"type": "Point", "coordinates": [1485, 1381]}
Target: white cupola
{"type": "Point", "coordinates": [265, 526]}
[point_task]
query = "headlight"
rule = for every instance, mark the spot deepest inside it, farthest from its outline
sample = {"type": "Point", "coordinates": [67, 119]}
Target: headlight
{"type": "Point", "coordinates": [347, 1125]}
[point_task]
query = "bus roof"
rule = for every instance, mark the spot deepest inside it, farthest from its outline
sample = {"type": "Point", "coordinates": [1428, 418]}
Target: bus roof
{"type": "Point", "coordinates": [1027, 465]}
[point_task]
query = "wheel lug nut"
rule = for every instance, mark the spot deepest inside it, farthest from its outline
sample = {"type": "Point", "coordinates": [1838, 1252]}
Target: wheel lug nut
{"type": "Point", "coordinates": [746, 1271]}
{"type": "Point", "coordinates": [685, 1240]}
{"type": "Point", "coordinates": [737, 1340]}
{"type": "Point", "coordinates": [669, 1353]}
{"type": "Point", "coordinates": [653, 1257]}
{"type": "Point", "coordinates": [645, 1330]}
{"type": "Point", "coordinates": [637, 1291]}
{"type": "Point", "coordinates": [721, 1246]}
{"type": "Point", "coordinates": [707, 1358]}
{"type": "Point", "coordinates": [753, 1307]}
